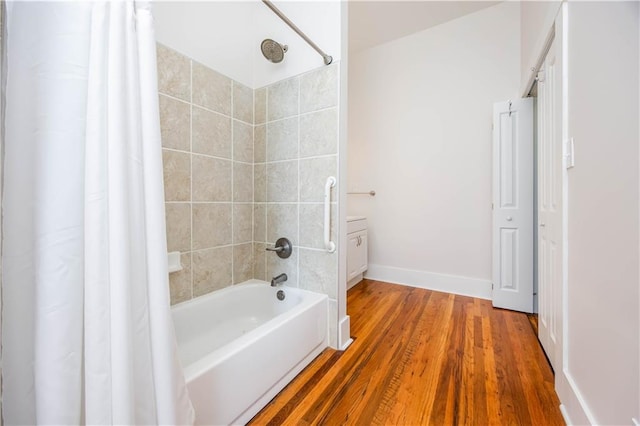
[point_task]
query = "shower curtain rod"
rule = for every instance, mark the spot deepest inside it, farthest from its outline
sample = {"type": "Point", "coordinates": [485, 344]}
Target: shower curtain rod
{"type": "Point", "coordinates": [327, 59]}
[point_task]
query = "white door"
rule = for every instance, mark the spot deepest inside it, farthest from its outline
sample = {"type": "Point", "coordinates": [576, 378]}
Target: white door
{"type": "Point", "coordinates": [550, 173]}
{"type": "Point", "coordinates": [513, 205]}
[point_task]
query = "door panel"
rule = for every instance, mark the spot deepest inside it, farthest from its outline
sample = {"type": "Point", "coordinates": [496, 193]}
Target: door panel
{"type": "Point", "coordinates": [549, 204]}
{"type": "Point", "coordinates": [509, 261]}
{"type": "Point", "coordinates": [513, 205]}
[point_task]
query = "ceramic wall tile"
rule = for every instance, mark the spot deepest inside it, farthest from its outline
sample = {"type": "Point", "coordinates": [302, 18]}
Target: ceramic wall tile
{"type": "Point", "coordinates": [319, 133]}
{"type": "Point", "coordinates": [211, 225]}
{"type": "Point", "coordinates": [282, 99]}
{"type": "Point", "coordinates": [311, 223]}
{"type": "Point", "coordinates": [260, 144]}
{"type": "Point", "coordinates": [180, 282]}
{"type": "Point", "coordinates": [174, 73]}
{"type": "Point", "coordinates": [242, 142]}
{"type": "Point", "coordinates": [211, 178]}
{"type": "Point", "coordinates": [319, 271]}
{"type": "Point", "coordinates": [313, 178]}
{"type": "Point", "coordinates": [242, 102]}
{"type": "Point", "coordinates": [242, 263]}
{"type": "Point", "coordinates": [211, 89]}
{"type": "Point", "coordinates": [175, 123]}
{"type": "Point", "coordinates": [242, 182]}
{"type": "Point", "coordinates": [211, 133]}
{"type": "Point", "coordinates": [260, 106]}
{"type": "Point", "coordinates": [282, 139]}
{"type": "Point", "coordinates": [177, 175]}
{"type": "Point", "coordinates": [260, 222]}
{"type": "Point", "coordinates": [242, 223]}
{"type": "Point", "coordinates": [260, 183]}
{"type": "Point", "coordinates": [282, 181]}
{"type": "Point", "coordinates": [319, 89]}
{"type": "Point", "coordinates": [259, 261]}
{"type": "Point", "coordinates": [178, 218]}
{"type": "Point", "coordinates": [282, 221]}
{"type": "Point", "coordinates": [212, 270]}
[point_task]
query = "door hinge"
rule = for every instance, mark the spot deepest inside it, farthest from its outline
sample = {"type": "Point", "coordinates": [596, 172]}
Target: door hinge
{"type": "Point", "coordinates": [491, 286]}
{"type": "Point", "coordinates": [569, 155]}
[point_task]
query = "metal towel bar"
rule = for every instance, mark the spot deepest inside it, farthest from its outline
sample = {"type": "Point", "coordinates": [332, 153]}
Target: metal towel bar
{"type": "Point", "coordinates": [372, 193]}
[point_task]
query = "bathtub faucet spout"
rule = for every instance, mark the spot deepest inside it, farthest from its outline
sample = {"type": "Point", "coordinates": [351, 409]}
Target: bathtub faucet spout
{"type": "Point", "coordinates": [278, 280]}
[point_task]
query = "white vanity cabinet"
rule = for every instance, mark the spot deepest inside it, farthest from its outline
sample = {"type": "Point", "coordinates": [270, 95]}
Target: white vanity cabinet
{"type": "Point", "coordinates": [356, 249]}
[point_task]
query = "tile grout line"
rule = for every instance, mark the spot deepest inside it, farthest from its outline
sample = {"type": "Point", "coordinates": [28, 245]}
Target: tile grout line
{"type": "Point", "coordinates": [298, 185]}
{"type": "Point", "coordinates": [191, 278]}
{"type": "Point", "coordinates": [233, 195]}
{"type": "Point", "coordinates": [301, 158]}
{"type": "Point", "coordinates": [205, 155]}
{"type": "Point", "coordinates": [204, 108]}
{"type": "Point", "coordinates": [253, 180]}
{"type": "Point", "coordinates": [266, 179]}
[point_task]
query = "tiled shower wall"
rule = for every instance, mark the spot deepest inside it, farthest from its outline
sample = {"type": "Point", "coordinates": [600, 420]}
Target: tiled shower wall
{"type": "Point", "coordinates": [233, 185]}
{"type": "Point", "coordinates": [206, 121]}
{"type": "Point", "coordinates": [295, 150]}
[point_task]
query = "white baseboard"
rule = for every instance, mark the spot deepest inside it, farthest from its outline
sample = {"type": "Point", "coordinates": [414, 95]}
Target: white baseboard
{"type": "Point", "coordinates": [574, 408]}
{"type": "Point", "coordinates": [565, 415]}
{"type": "Point", "coordinates": [344, 331]}
{"type": "Point", "coordinates": [354, 281]}
{"type": "Point", "coordinates": [464, 286]}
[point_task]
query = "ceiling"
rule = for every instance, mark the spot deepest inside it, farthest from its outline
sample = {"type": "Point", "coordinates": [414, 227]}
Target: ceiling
{"type": "Point", "coordinates": [372, 23]}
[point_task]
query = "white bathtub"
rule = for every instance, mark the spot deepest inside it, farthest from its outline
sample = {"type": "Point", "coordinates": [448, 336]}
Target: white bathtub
{"type": "Point", "coordinates": [240, 346]}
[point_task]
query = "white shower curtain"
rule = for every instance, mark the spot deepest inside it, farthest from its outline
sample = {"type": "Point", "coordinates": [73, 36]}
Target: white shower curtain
{"type": "Point", "coordinates": [86, 325]}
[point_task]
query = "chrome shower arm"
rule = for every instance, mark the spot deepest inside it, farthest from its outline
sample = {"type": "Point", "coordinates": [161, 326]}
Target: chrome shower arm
{"type": "Point", "coordinates": [327, 59]}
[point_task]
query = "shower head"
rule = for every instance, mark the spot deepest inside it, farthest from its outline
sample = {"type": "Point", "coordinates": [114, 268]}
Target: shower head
{"type": "Point", "coordinates": [273, 51]}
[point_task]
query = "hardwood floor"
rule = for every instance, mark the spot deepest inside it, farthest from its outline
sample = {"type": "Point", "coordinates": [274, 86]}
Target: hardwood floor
{"type": "Point", "coordinates": [423, 357]}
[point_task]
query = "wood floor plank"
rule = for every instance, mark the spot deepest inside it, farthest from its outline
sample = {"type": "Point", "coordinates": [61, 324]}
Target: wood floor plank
{"type": "Point", "coordinates": [511, 391]}
{"type": "Point", "coordinates": [361, 390]}
{"type": "Point", "coordinates": [351, 362]}
{"type": "Point", "coordinates": [420, 376]}
{"type": "Point", "coordinates": [400, 380]}
{"type": "Point", "coordinates": [421, 357]}
{"type": "Point", "coordinates": [493, 402]}
{"type": "Point", "coordinates": [480, 413]}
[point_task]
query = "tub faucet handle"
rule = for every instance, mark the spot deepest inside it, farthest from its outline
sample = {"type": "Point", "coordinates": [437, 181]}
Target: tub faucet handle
{"type": "Point", "coordinates": [283, 248]}
{"type": "Point", "coordinates": [275, 281]}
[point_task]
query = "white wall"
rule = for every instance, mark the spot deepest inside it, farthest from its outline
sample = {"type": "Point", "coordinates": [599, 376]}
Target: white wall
{"type": "Point", "coordinates": [226, 36]}
{"type": "Point", "coordinates": [217, 34]}
{"type": "Point", "coordinates": [420, 135]}
{"type": "Point", "coordinates": [602, 322]}
{"type": "Point", "coordinates": [536, 20]}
